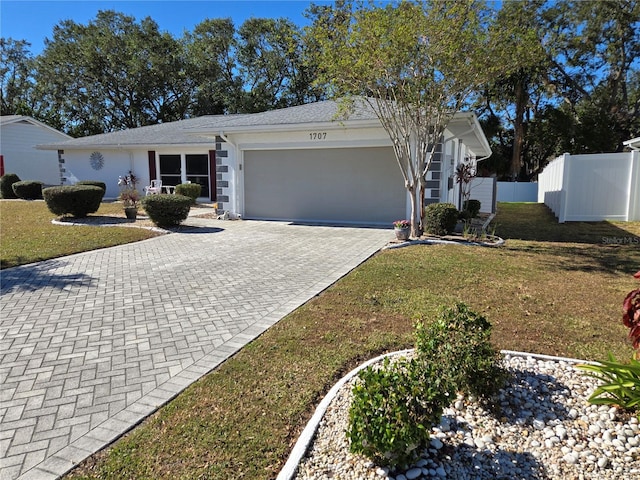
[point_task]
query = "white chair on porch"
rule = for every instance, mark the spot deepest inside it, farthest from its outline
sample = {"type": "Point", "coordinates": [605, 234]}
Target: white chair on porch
{"type": "Point", "coordinates": [154, 188]}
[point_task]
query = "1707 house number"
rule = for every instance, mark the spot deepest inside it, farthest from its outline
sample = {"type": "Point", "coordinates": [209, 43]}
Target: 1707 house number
{"type": "Point", "coordinates": [318, 136]}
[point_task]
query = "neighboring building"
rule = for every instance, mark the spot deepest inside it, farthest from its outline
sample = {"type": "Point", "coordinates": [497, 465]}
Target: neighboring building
{"type": "Point", "coordinates": [294, 164]}
{"type": "Point", "coordinates": [19, 136]}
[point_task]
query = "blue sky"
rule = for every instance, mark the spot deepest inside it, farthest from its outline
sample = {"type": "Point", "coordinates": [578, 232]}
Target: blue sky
{"type": "Point", "coordinates": [33, 21]}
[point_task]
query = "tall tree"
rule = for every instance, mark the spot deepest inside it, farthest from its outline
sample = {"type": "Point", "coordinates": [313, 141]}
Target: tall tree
{"type": "Point", "coordinates": [599, 51]}
{"type": "Point", "coordinates": [271, 62]}
{"type": "Point", "coordinates": [16, 77]}
{"type": "Point", "coordinates": [211, 52]}
{"type": "Point", "coordinates": [112, 74]}
{"type": "Point", "coordinates": [414, 62]}
{"type": "Point", "coordinates": [517, 93]}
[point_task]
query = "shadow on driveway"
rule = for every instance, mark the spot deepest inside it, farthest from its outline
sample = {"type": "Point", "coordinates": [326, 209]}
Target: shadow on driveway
{"type": "Point", "coordinates": [33, 277]}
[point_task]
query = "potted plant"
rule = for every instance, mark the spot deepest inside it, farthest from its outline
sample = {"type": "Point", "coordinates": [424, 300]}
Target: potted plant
{"type": "Point", "coordinates": [402, 229]}
{"type": "Point", "coordinates": [129, 195]}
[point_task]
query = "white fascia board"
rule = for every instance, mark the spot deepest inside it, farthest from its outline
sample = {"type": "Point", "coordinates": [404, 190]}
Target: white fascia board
{"type": "Point", "coordinates": [480, 147]}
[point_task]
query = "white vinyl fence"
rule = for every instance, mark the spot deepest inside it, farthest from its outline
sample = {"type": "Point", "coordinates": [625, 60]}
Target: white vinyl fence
{"type": "Point", "coordinates": [484, 189]}
{"type": "Point", "coordinates": [592, 187]}
{"type": "Point", "coordinates": [517, 192]}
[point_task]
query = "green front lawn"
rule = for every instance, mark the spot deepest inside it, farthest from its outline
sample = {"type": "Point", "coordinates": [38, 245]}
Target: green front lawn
{"type": "Point", "coordinates": [553, 289]}
{"type": "Point", "coordinates": [27, 234]}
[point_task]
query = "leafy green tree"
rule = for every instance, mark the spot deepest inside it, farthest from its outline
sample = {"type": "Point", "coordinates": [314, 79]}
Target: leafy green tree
{"type": "Point", "coordinates": [211, 62]}
{"type": "Point", "coordinates": [517, 93]}
{"type": "Point", "coordinates": [415, 63]}
{"type": "Point", "coordinates": [597, 50]}
{"type": "Point", "coordinates": [272, 64]}
{"type": "Point", "coordinates": [16, 77]}
{"type": "Point", "coordinates": [112, 74]}
{"type": "Point", "coordinates": [577, 86]}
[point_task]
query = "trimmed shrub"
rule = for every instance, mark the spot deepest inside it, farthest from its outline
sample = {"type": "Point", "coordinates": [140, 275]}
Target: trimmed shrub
{"type": "Point", "coordinates": [6, 183]}
{"type": "Point", "coordinates": [73, 200]}
{"type": "Point", "coordinates": [95, 183]}
{"type": "Point", "coordinates": [191, 190]}
{"type": "Point", "coordinates": [441, 218]}
{"type": "Point", "coordinates": [458, 344]}
{"type": "Point", "coordinates": [28, 189]}
{"type": "Point", "coordinates": [394, 408]}
{"type": "Point", "coordinates": [167, 210]}
{"type": "Point", "coordinates": [471, 208]}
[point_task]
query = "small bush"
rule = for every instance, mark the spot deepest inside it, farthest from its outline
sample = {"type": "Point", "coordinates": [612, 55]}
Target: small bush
{"type": "Point", "coordinates": [393, 410]}
{"type": "Point", "coordinates": [167, 210]}
{"type": "Point", "coordinates": [441, 218]}
{"type": "Point", "coordinates": [95, 183]}
{"type": "Point", "coordinates": [458, 343]}
{"type": "Point", "coordinates": [471, 208]}
{"type": "Point", "coordinates": [6, 184]}
{"type": "Point", "coordinates": [191, 190]}
{"type": "Point", "coordinates": [28, 189]}
{"type": "Point", "coordinates": [74, 200]}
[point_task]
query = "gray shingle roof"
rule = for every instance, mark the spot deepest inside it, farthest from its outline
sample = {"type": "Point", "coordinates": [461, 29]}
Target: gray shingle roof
{"type": "Point", "coordinates": [199, 131]}
{"type": "Point", "coordinates": [192, 131]}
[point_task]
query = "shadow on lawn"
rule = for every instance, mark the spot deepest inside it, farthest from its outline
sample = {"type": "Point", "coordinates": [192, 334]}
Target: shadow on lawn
{"type": "Point", "coordinates": [576, 246]}
{"type": "Point", "coordinates": [41, 275]}
{"type": "Point", "coordinates": [536, 222]}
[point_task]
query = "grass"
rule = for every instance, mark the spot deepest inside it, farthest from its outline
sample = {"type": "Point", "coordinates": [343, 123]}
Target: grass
{"type": "Point", "coordinates": [27, 234]}
{"type": "Point", "coordinates": [553, 289]}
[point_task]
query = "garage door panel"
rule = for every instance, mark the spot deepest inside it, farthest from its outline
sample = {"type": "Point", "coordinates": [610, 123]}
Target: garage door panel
{"type": "Point", "coordinates": [356, 185]}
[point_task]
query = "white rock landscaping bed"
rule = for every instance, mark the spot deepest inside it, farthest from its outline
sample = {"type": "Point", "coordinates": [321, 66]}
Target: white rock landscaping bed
{"type": "Point", "coordinates": [546, 430]}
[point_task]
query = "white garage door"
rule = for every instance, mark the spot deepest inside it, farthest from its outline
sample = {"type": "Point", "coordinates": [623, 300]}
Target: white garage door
{"type": "Point", "coordinates": [340, 185]}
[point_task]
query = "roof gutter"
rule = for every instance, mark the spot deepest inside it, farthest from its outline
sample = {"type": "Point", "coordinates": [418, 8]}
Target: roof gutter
{"type": "Point", "coordinates": [630, 144]}
{"type": "Point", "coordinates": [222, 135]}
{"type": "Point", "coordinates": [474, 124]}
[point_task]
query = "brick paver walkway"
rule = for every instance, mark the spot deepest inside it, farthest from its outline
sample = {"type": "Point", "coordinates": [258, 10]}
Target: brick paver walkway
{"type": "Point", "coordinates": [91, 344]}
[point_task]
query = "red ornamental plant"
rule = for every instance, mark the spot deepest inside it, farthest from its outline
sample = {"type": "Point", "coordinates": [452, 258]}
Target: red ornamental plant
{"type": "Point", "coordinates": [631, 315]}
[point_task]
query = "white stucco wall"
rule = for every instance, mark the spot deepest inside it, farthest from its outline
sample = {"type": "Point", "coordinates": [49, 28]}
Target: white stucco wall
{"type": "Point", "coordinates": [17, 146]}
{"type": "Point", "coordinates": [116, 163]}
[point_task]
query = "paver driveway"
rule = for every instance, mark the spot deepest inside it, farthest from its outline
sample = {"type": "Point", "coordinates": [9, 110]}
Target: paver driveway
{"type": "Point", "coordinates": [92, 343]}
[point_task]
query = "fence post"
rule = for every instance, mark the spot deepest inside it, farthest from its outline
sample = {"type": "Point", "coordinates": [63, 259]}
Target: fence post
{"type": "Point", "coordinates": [564, 188]}
{"type": "Point", "coordinates": [633, 199]}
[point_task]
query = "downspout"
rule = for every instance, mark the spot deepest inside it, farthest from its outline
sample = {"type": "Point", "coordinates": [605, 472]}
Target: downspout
{"type": "Point", "coordinates": [471, 130]}
{"type": "Point", "coordinates": [226, 139]}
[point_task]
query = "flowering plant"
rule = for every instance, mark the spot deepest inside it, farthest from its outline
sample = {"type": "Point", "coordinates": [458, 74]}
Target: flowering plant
{"type": "Point", "coordinates": [631, 315]}
{"type": "Point", "coordinates": [402, 224]}
{"type": "Point", "coordinates": [128, 193]}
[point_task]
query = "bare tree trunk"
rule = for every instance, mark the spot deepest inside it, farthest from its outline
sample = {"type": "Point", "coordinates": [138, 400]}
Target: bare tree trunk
{"type": "Point", "coordinates": [420, 227]}
{"type": "Point", "coordinates": [415, 222]}
{"type": "Point", "coordinates": [518, 127]}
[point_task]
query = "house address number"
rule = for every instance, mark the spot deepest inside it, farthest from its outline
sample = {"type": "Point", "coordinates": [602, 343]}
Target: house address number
{"type": "Point", "coordinates": [318, 136]}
